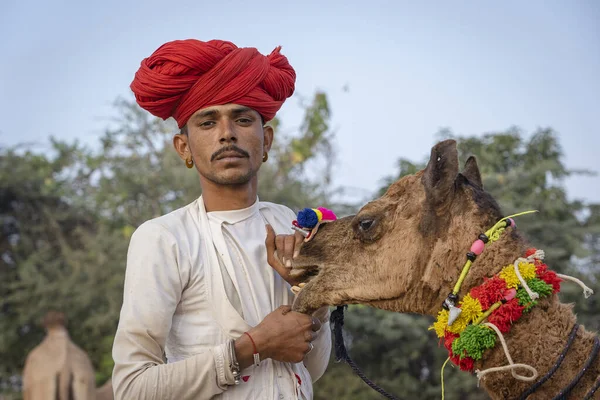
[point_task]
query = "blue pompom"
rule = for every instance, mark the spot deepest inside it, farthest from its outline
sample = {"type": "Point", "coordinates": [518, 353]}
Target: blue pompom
{"type": "Point", "coordinates": [307, 218]}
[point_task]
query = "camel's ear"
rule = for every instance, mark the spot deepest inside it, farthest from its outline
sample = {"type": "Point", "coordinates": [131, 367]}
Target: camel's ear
{"type": "Point", "coordinates": [441, 172]}
{"type": "Point", "coordinates": [471, 172]}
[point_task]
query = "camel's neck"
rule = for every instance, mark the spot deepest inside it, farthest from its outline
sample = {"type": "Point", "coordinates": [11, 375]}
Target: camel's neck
{"type": "Point", "coordinates": [538, 339]}
{"type": "Point", "coordinates": [495, 256]}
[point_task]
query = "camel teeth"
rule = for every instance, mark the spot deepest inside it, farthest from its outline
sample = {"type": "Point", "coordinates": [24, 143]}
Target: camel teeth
{"type": "Point", "coordinates": [296, 289]}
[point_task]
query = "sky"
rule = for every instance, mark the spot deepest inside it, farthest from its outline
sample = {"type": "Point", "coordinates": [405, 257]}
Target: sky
{"type": "Point", "coordinates": [410, 67]}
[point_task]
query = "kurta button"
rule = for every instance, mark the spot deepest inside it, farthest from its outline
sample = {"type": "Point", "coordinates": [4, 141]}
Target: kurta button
{"type": "Point", "coordinates": [281, 396]}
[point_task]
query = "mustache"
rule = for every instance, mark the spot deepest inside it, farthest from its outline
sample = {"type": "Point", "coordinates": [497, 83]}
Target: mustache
{"type": "Point", "coordinates": [229, 148]}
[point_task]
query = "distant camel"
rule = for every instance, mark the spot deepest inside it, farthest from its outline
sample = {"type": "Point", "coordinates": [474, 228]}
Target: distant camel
{"type": "Point", "coordinates": [57, 369]}
{"type": "Point", "coordinates": [420, 249]}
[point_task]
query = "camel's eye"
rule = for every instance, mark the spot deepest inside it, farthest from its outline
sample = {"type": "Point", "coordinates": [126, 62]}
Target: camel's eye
{"type": "Point", "coordinates": [367, 227]}
{"type": "Point", "coordinates": [365, 224]}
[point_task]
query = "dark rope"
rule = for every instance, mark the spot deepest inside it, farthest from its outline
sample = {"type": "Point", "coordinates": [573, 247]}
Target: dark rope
{"type": "Point", "coordinates": [596, 386]}
{"type": "Point", "coordinates": [556, 365]}
{"type": "Point", "coordinates": [337, 323]}
{"type": "Point", "coordinates": [565, 392]}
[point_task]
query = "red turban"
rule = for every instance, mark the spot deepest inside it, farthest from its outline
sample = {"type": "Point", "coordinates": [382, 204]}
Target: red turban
{"type": "Point", "coordinates": [184, 76]}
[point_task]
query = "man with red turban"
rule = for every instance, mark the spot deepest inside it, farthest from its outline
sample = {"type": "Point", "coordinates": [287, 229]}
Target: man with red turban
{"type": "Point", "coordinates": [207, 287]}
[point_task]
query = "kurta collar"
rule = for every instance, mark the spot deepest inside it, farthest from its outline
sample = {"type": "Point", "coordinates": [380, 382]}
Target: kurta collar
{"type": "Point", "coordinates": [235, 216]}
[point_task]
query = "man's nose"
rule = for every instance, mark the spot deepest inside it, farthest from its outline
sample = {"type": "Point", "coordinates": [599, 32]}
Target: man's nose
{"type": "Point", "coordinates": [228, 133]}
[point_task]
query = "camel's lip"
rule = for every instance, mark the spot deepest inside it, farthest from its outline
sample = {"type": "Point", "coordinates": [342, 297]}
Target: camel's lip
{"type": "Point", "coordinates": [305, 266]}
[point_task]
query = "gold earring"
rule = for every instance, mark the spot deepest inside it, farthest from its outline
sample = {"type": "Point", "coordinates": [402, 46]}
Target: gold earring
{"type": "Point", "coordinates": [265, 157]}
{"type": "Point", "coordinates": [189, 162]}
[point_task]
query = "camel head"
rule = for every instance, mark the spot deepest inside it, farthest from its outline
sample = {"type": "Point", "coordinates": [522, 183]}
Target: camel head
{"type": "Point", "coordinates": [404, 251]}
{"type": "Point", "coordinates": [54, 319]}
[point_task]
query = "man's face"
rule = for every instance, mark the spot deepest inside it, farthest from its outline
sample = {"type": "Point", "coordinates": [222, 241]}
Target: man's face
{"type": "Point", "coordinates": [227, 143]}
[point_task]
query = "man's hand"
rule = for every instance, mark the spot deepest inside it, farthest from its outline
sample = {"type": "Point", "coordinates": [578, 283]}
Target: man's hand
{"type": "Point", "coordinates": [281, 249]}
{"type": "Point", "coordinates": [285, 335]}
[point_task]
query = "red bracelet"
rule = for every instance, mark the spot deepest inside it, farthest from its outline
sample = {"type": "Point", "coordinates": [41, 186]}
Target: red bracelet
{"type": "Point", "coordinates": [255, 354]}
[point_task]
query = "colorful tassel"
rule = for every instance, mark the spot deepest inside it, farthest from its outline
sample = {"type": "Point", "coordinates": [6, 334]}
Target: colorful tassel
{"type": "Point", "coordinates": [311, 217]}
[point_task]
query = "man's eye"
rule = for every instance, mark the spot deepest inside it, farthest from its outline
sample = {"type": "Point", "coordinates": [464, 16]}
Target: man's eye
{"type": "Point", "coordinates": [207, 124]}
{"type": "Point", "coordinates": [244, 120]}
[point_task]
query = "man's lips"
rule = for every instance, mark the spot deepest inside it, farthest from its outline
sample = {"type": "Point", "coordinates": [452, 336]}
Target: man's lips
{"type": "Point", "coordinates": [230, 154]}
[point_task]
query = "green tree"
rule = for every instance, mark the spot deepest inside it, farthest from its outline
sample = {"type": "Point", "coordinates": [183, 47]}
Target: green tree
{"type": "Point", "coordinates": [54, 254]}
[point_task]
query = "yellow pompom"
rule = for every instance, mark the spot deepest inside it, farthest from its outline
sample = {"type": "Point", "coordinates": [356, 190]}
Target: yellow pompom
{"type": "Point", "coordinates": [471, 308]}
{"type": "Point", "coordinates": [319, 214]}
{"type": "Point", "coordinates": [459, 324]}
{"type": "Point", "coordinates": [508, 273]}
{"type": "Point", "coordinates": [440, 324]}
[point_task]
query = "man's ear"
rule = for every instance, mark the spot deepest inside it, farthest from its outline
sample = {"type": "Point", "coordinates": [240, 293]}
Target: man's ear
{"type": "Point", "coordinates": [268, 138]}
{"type": "Point", "coordinates": [471, 172]}
{"type": "Point", "coordinates": [441, 172]}
{"type": "Point", "coordinates": [180, 142]}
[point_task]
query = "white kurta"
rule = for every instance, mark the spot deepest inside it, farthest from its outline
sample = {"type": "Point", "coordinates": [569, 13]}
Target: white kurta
{"type": "Point", "coordinates": [194, 280]}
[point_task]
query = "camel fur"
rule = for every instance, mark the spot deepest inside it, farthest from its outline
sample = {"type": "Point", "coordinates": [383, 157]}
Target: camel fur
{"type": "Point", "coordinates": [404, 252]}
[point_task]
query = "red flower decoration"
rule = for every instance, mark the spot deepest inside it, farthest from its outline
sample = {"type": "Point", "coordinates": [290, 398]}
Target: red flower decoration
{"type": "Point", "coordinates": [530, 252]}
{"type": "Point", "coordinates": [491, 291]}
{"type": "Point", "coordinates": [466, 364]}
{"type": "Point", "coordinates": [548, 276]}
{"type": "Point", "coordinates": [508, 313]}
{"type": "Point", "coordinates": [449, 337]}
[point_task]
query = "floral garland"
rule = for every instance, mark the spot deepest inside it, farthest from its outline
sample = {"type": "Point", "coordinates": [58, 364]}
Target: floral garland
{"type": "Point", "coordinates": [502, 300]}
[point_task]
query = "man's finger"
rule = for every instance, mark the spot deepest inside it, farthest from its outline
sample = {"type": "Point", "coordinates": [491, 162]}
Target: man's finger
{"type": "Point", "coordinates": [299, 241]}
{"type": "Point", "coordinates": [270, 240]}
{"type": "Point", "coordinates": [280, 247]}
{"type": "Point", "coordinates": [310, 336]}
{"type": "Point", "coordinates": [316, 324]}
{"type": "Point", "coordinates": [289, 243]}
{"type": "Point", "coordinates": [285, 309]}
{"type": "Point", "coordinates": [270, 244]}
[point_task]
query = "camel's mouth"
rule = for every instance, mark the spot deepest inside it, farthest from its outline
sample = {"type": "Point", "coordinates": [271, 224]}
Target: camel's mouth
{"type": "Point", "coordinates": [305, 272]}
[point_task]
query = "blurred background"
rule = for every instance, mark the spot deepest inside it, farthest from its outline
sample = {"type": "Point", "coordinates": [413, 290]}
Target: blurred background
{"type": "Point", "coordinates": [81, 166]}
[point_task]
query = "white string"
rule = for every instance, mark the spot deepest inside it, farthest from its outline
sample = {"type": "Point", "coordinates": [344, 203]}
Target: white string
{"type": "Point", "coordinates": [532, 295]}
{"type": "Point", "coordinates": [539, 255]}
{"type": "Point", "coordinates": [587, 292]}
{"type": "Point", "coordinates": [511, 365]}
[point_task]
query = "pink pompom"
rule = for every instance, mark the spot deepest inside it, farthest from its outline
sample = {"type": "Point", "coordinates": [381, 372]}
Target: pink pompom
{"type": "Point", "coordinates": [512, 223]}
{"type": "Point", "coordinates": [510, 294]}
{"type": "Point", "coordinates": [477, 247]}
{"type": "Point", "coordinates": [328, 215]}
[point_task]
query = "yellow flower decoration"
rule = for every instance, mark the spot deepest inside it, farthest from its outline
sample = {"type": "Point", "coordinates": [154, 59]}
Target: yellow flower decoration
{"type": "Point", "coordinates": [471, 308]}
{"type": "Point", "coordinates": [508, 273]}
{"type": "Point", "coordinates": [440, 324]}
{"type": "Point", "coordinates": [459, 324]}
